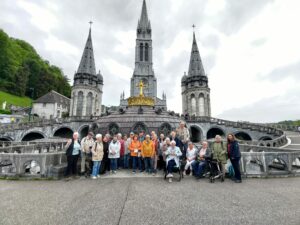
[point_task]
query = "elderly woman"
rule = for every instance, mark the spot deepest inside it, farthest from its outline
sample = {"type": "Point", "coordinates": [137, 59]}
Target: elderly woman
{"type": "Point", "coordinates": [173, 153]}
{"type": "Point", "coordinates": [134, 147]}
{"type": "Point", "coordinates": [234, 155]}
{"type": "Point", "coordinates": [97, 156]}
{"type": "Point", "coordinates": [219, 152]}
{"type": "Point", "coordinates": [73, 151]}
{"type": "Point", "coordinates": [190, 157]}
{"type": "Point", "coordinates": [114, 153]}
{"type": "Point", "coordinates": [147, 154]}
{"type": "Point", "coordinates": [200, 164]}
{"type": "Point", "coordinates": [183, 135]}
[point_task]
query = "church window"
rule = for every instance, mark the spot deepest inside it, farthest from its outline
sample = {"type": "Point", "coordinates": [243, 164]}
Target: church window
{"type": "Point", "coordinates": [193, 104]}
{"type": "Point", "coordinates": [89, 104]}
{"type": "Point", "coordinates": [201, 105]}
{"type": "Point", "coordinates": [79, 104]}
{"type": "Point", "coordinates": [141, 52]}
{"type": "Point", "coordinates": [146, 52]}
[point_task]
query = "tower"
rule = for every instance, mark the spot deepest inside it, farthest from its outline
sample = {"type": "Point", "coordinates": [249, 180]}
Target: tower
{"type": "Point", "coordinates": [194, 86]}
{"type": "Point", "coordinates": [86, 96]}
{"type": "Point", "coordinates": [143, 70]}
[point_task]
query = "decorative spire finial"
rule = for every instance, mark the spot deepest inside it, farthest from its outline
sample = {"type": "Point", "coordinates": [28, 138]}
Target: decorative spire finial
{"type": "Point", "coordinates": [91, 22]}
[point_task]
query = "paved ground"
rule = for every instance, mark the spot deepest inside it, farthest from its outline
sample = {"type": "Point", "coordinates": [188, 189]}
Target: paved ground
{"type": "Point", "coordinates": [295, 140]}
{"type": "Point", "coordinates": [150, 200]}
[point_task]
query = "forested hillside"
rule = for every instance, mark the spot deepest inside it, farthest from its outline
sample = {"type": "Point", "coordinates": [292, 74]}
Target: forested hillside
{"type": "Point", "coordinates": [22, 70]}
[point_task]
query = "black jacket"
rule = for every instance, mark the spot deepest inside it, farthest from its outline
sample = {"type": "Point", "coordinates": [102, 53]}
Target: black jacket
{"type": "Point", "coordinates": [234, 151]}
{"type": "Point", "coordinates": [70, 148]}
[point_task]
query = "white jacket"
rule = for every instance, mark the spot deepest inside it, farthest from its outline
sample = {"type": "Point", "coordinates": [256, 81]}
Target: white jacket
{"type": "Point", "coordinates": [114, 147]}
{"type": "Point", "coordinates": [175, 150]}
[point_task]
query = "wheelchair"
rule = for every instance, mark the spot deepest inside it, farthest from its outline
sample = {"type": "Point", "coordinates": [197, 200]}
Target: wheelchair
{"type": "Point", "coordinates": [177, 172]}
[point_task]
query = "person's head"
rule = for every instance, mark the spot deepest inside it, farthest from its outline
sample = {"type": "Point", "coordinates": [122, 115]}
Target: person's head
{"type": "Point", "coordinates": [173, 144]}
{"type": "Point", "coordinates": [131, 135]}
{"type": "Point", "coordinates": [153, 132]}
{"type": "Point", "coordinates": [99, 137]}
{"type": "Point", "coordinates": [147, 137]}
{"type": "Point", "coordinates": [162, 136]}
{"type": "Point", "coordinates": [125, 137]}
{"type": "Point", "coordinates": [119, 136]}
{"type": "Point", "coordinates": [141, 134]}
{"type": "Point", "coordinates": [182, 124]}
{"type": "Point", "coordinates": [168, 141]}
{"type": "Point", "coordinates": [173, 134]}
{"type": "Point", "coordinates": [191, 145]}
{"type": "Point", "coordinates": [218, 138]}
{"type": "Point", "coordinates": [135, 137]}
{"type": "Point", "coordinates": [115, 138]}
{"type": "Point", "coordinates": [90, 135]}
{"type": "Point", "coordinates": [75, 135]}
{"type": "Point", "coordinates": [230, 137]}
{"type": "Point", "coordinates": [154, 137]}
{"type": "Point", "coordinates": [204, 144]}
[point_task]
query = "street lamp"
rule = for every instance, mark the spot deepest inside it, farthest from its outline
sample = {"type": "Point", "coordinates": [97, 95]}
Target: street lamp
{"type": "Point", "coordinates": [30, 110]}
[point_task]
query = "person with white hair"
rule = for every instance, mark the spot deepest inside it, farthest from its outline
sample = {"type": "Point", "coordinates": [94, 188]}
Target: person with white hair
{"type": "Point", "coordinates": [97, 152]}
{"type": "Point", "coordinates": [122, 151]}
{"type": "Point", "coordinates": [73, 151]}
{"type": "Point", "coordinates": [200, 164]}
{"type": "Point", "coordinates": [114, 153]}
{"type": "Point", "coordinates": [219, 152]}
{"type": "Point", "coordinates": [172, 157]}
{"type": "Point", "coordinates": [190, 157]}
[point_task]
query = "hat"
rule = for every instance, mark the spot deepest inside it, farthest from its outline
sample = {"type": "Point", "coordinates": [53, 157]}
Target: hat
{"type": "Point", "coordinates": [131, 133]}
{"type": "Point", "coordinates": [91, 133]}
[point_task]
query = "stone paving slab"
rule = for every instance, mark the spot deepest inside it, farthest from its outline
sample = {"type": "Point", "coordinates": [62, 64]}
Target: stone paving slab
{"type": "Point", "coordinates": [150, 201]}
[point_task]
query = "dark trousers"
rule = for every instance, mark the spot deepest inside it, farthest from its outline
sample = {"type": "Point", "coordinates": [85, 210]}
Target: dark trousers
{"type": "Point", "coordinates": [105, 165]}
{"type": "Point", "coordinates": [199, 167]}
{"type": "Point", "coordinates": [171, 165]}
{"type": "Point", "coordinates": [72, 165]}
{"type": "Point", "coordinates": [121, 162]}
{"type": "Point", "coordinates": [140, 163]}
{"type": "Point", "coordinates": [148, 164]}
{"type": "Point", "coordinates": [236, 167]}
{"type": "Point", "coordinates": [134, 162]}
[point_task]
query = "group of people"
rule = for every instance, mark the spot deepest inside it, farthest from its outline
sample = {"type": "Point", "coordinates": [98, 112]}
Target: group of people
{"type": "Point", "coordinates": [148, 153]}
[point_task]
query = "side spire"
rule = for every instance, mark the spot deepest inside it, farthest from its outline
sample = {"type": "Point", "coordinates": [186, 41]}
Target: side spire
{"type": "Point", "coordinates": [87, 63]}
{"type": "Point", "coordinates": [195, 67]}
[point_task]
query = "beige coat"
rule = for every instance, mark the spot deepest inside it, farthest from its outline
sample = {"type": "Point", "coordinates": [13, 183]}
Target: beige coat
{"type": "Point", "coordinates": [85, 144]}
{"type": "Point", "coordinates": [97, 151]}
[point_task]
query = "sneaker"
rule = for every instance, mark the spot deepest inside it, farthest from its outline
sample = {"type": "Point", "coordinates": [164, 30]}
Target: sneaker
{"type": "Point", "coordinates": [94, 177]}
{"type": "Point", "coordinates": [98, 176]}
{"type": "Point", "coordinates": [238, 181]}
{"type": "Point", "coordinates": [133, 172]}
{"type": "Point", "coordinates": [114, 172]}
{"type": "Point", "coordinates": [184, 173]}
{"type": "Point", "coordinates": [169, 175]}
{"type": "Point", "coordinates": [170, 180]}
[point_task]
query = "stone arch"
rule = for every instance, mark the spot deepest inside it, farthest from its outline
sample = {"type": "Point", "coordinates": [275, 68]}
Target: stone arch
{"type": "Point", "coordinates": [33, 135]}
{"type": "Point", "coordinates": [32, 167]}
{"type": "Point", "coordinates": [242, 135]}
{"type": "Point", "coordinates": [165, 129]}
{"type": "Point", "coordinates": [213, 131]}
{"type": "Point", "coordinates": [193, 104]}
{"type": "Point", "coordinates": [201, 104]}
{"type": "Point", "coordinates": [63, 132]}
{"type": "Point", "coordinates": [6, 138]}
{"type": "Point", "coordinates": [89, 104]}
{"type": "Point", "coordinates": [83, 131]}
{"type": "Point", "coordinates": [7, 166]}
{"type": "Point", "coordinates": [139, 126]}
{"type": "Point", "coordinates": [113, 128]}
{"type": "Point", "coordinates": [196, 133]}
{"type": "Point", "coordinates": [80, 99]}
{"type": "Point", "coordinates": [265, 138]}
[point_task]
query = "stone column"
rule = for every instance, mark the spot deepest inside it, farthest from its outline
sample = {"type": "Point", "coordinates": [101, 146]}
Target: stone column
{"type": "Point", "coordinates": [74, 104]}
{"type": "Point", "coordinates": [84, 104]}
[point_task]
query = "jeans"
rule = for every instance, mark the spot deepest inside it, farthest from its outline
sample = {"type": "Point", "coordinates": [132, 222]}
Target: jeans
{"type": "Point", "coordinates": [134, 162]}
{"type": "Point", "coordinates": [121, 162]}
{"type": "Point", "coordinates": [113, 164]}
{"type": "Point", "coordinates": [140, 161]}
{"type": "Point", "coordinates": [126, 161]}
{"type": "Point", "coordinates": [199, 167]}
{"type": "Point", "coordinates": [171, 165]}
{"type": "Point", "coordinates": [148, 164]}
{"type": "Point", "coordinates": [96, 167]}
{"type": "Point", "coordinates": [72, 165]}
{"type": "Point", "coordinates": [236, 166]}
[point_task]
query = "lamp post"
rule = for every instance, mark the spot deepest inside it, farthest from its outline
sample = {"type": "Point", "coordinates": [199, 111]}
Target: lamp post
{"type": "Point", "coordinates": [30, 110]}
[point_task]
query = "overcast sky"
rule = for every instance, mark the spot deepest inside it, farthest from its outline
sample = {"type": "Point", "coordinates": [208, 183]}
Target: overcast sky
{"type": "Point", "coordinates": [250, 48]}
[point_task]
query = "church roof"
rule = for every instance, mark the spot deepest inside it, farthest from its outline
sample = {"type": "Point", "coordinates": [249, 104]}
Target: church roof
{"type": "Point", "coordinates": [87, 63]}
{"type": "Point", "coordinates": [53, 97]}
{"type": "Point", "coordinates": [144, 22]}
{"type": "Point", "coordinates": [195, 67]}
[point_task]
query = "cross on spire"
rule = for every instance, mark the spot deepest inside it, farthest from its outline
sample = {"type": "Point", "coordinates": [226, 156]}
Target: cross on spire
{"type": "Point", "coordinates": [193, 27]}
{"type": "Point", "coordinates": [91, 22]}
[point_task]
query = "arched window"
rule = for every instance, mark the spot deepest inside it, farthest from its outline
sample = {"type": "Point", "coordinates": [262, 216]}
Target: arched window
{"type": "Point", "coordinates": [201, 105]}
{"type": "Point", "coordinates": [89, 104]}
{"type": "Point", "coordinates": [141, 52]}
{"type": "Point", "coordinates": [79, 104]}
{"type": "Point", "coordinates": [146, 52]}
{"type": "Point", "coordinates": [193, 104]}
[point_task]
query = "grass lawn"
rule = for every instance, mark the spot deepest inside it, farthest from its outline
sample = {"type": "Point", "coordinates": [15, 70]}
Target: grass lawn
{"type": "Point", "coordinates": [13, 100]}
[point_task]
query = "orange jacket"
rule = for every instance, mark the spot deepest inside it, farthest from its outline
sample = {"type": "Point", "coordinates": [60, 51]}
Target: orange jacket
{"type": "Point", "coordinates": [135, 145]}
{"type": "Point", "coordinates": [147, 148]}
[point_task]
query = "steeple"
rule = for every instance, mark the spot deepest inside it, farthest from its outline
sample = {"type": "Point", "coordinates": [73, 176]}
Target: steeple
{"type": "Point", "coordinates": [87, 63]}
{"type": "Point", "coordinates": [195, 67]}
{"type": "Point", "coordinates": [144, 22]}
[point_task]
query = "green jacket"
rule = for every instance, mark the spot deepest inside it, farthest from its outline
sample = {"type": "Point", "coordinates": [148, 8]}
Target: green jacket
{"type": "Point", "coordinates": [219, 152]}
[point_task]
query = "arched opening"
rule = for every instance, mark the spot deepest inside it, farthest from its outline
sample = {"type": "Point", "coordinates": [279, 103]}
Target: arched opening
{"type": "Point", "coordinates": [193, 104]}
{"type": "Point", "coordinates": [195, 134]}
{"type": "Point", "coordinates": [201, 105]}
{"type": "Point", "coordinates": [146, 52]}
{"type": "Point", "coordinates": [79, 103]}
{"type": "Point", "coordinates": [32, 167]}
{"type": "Point", "coordinates": [265, 138]}
{"type": "Point", "coordinates": [138, 127]}
{"type": "Point", "coordinates": [83, 131]}
{"type": "Point", "coordinates": [89, 104]}
{"type": "Point", "coordinates": [7, 166]}
{"type": "Point", "coordinates": [33, 136]}
{"type": "Point", "coordinates": [63, 132]}
{"type": "Point", "coordinates": [243, 136]}
{"type": "Point", "coordinates": [5, 139]}
{"type": "Point", "coordinates": [212, 132]}
{"type": "Point", "coordinates": [165, 129]}
{"type": "Point", "coordinates": [141, 51]}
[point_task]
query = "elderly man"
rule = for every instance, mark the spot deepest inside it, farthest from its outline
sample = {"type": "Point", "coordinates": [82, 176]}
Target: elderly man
{"type": "Point", "coordinates": [173, 153]}
{"type": "Point", "coordinates": [200, 164]}
{"type": "Point", "coordinates": [183, 135]}
{"type": "Point", "coordinates": [86, 154]}
{"type": "Point", "coordinates": [219, 152]}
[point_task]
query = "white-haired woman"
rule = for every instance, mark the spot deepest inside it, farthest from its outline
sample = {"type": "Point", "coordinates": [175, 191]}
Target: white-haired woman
{"type": "Point", "coordinates": [72, 152]}
{"type": "Point", "coordinates": [190, 157]}
{"type": "Point", "coordinates": [97, 152]}
{"type": "Point", "coordinates": [200, 164]}
{"type": "Point", "coordinates": [173, 153]}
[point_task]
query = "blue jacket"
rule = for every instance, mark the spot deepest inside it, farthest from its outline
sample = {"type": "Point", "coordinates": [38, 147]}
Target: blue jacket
{"type": "Point", "coordinates": [234, 150]}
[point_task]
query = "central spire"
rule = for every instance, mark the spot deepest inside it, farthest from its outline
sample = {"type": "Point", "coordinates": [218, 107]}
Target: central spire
{"type": "Point", "coordinates": [144, 22]}
{"type": "Point", "coordinates": [87, 63]}
{"type": "Point", "coordinates": [195, 67]}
